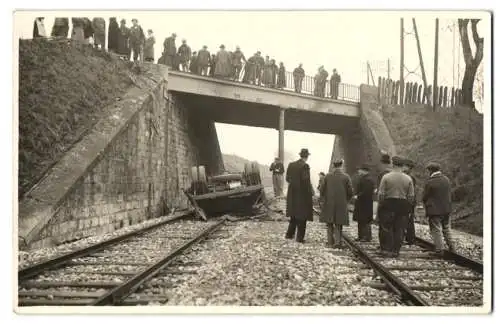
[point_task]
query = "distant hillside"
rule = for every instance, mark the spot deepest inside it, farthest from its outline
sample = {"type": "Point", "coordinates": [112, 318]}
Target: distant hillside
{"type": "Point", "coordinates": [234, 163]}
{"type": "Point", "coordinates": [454, 138]}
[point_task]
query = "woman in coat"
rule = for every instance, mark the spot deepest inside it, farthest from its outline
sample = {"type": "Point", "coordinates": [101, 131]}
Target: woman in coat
{"type": "Point", "coordinates": [123, 40]}
{"type": "Point", "coordinates": [281, 76]}
{"type": "Point", "coordinates": [337, 191]}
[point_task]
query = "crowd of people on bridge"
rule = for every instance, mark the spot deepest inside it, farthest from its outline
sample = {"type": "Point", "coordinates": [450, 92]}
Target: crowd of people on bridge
{"type": "Point", "coordinates": [131, 43]}
{"type": "Point", "coordinates": [395, 213]}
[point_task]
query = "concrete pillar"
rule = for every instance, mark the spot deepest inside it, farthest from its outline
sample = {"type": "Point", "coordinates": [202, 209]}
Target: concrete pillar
{"type": "Point", "coordinates": [281, 131]}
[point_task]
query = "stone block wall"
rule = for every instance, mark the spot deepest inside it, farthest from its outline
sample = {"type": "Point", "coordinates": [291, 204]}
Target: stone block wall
{"type": "Point", "coordinates": [364, 143]}
{"type": "Point", "coordinates": [138, 174]}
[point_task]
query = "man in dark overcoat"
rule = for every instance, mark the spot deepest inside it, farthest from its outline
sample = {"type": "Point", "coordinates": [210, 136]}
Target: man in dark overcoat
{"type": "Point", "coordinates": [299, 203]}
{"type": "Point", "coordinates": [437, 201]}
{"type": "Point", "coordinates": [337, 191]}
{"type": "Point", "coordinates": [363, 207]}
{"type": "Point", "coordinates": [170, 50]}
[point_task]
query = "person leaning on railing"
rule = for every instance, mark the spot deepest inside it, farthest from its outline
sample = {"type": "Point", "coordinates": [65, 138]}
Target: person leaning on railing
{"type": "Point", "coordinates": [334, 84]}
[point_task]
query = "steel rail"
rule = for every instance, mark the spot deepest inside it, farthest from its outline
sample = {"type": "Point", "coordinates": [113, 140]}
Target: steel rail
{"type": "Point", "coordinates": [33, 270]}
{"type": "Point", "coordinates": [407, 295]}
{"type": "Point", "coordinates": [118, 294]}
{"type": "Point", "coordinates": [454, 257]}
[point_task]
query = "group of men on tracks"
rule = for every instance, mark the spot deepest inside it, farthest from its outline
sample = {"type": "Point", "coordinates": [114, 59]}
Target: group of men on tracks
{"type": "Point", "coordinates": [131, 43]}
{"type": "Point", "coordinates": [395, 213]}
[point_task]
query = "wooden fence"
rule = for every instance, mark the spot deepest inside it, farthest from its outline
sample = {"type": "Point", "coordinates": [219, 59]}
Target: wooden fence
{"type": "Point", "coordinates": [389, 93]}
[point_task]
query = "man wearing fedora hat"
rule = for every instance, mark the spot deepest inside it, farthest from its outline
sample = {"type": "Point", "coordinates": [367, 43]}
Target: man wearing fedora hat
{"type": "Point", "coordinates": [395, 195]}
{"type": "Point", "coordinates": [336, 191]}
{"type": "Point", "coordinates": [203, 61]}
{"type": "Point", "coordinates": [437, 201]}
{"type": "Point", "coordinates": [363, 207]}
{"type": "Point", "coordinates": [299, 204]}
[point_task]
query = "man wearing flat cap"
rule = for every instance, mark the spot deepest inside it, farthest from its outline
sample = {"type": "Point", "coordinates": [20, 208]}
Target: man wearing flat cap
{"type": "Point", "coordinates": [410, 227]}
{"type": "Point", "coordinates": [337, 191]}
{"type": "Point", "coordinates": [299, 203]}
{"type": "Point", "coordinates": [395, 194]}
{"type": "Point", "coordinates": [437, 201]}
{"type": "Point", "coordinates": [363, 207]}
{"type": "Point", "coordinates": [137, 39]}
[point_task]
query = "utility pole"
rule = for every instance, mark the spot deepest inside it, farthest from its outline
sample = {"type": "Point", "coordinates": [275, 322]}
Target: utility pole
{"type": "Point", "coordinates": [402, 64]}
{"type": "Point", "coordinates": [436, 48]}
{"type": "Point", "coordinates": [420, 58]}
{"type": "Point", "coordinates": [367, 73]}
{"type": "Point", "coordinates": [388, 69]}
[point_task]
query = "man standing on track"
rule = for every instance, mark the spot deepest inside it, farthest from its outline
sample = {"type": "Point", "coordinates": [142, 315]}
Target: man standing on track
{"type": "Point", "coordinates": [336, 191]}
{"type": "Point", "coordinates": [299, 204]}
{"type": "Point", "coordinates": [410, 227]}
{"type": "Point", "coordinates": [395, 193]}
{"type": "Point", "coordinates": [437, 202]}
{"type": "Point", "coordinates": [277, 169]}
{"type": "Point", "coordinates": [363, 207]}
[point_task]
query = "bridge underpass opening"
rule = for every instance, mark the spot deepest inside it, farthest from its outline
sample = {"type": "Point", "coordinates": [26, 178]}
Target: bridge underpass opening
{"type": "Point", "coordinates": [261, 145]}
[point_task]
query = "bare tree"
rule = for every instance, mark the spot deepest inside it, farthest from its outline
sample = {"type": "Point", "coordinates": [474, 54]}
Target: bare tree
{"type": "Point", "coordinates": [471, 62]}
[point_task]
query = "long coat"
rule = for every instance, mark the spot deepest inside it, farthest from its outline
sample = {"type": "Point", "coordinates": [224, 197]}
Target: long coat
{"type": "Point", "coordinates": [123, 41]}
{"type": "Point", "coordinates": [149, 52]}
{"type": "Point", "coordinates": [437, 195]}
{"type": "Point", "coordinates": [113, 35]}
{"type": "Point", "coordinates": [281, 77]}
{"type": "Point", "coordinates": [299, 204]}
{"type": "Point", "coordinates": [363, 207]}
{"type": "Point", "coordinates": [99, 25]}
{"type": "Point", "coordinates": [337, 191]}
{"type": "Point", "coordinates": [223, 65]}
{"type": "Point", "coordinates": [203, 58]}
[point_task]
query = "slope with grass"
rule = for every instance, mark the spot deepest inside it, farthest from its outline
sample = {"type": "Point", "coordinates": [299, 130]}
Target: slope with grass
{"type": "Point", "coordinates": [63, 89]}
{"type": "Point", "coordinates": [452, 137]}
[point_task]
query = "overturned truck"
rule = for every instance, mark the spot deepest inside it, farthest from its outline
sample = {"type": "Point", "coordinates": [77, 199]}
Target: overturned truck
{"type": "Point", "coordinates": [227, 193]}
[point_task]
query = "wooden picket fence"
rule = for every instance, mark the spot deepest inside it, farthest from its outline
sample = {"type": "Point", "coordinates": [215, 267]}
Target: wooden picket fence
{"type": "Point", "coordinates": [389, 93]}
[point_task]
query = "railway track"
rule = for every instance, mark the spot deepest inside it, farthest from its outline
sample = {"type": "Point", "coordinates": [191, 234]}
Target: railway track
{"type": "Point", "coordinates": [126, 270]}
{"type": "Point", "coordinates": [418, 277]}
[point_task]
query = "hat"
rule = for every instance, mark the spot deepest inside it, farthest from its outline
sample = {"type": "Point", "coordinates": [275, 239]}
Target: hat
{"type": "Point", "coordinates": [398, 161]}
{"type": "Point", "coordinates": [338, 162]}
{"type": "Point", "coordinates": [304, 152]}
{"type": "Point", "coordinates": [184, 40]}
{"type": "Point", "coordinates": [123, 20]}
{"type": "Point", "coordinates": [364, 166]}
{"type": "Point", "coordinates": [134, 19]}
{"type": "Point", "coordinates": [150, 30]}
{"type": "Point", "coordinates": [222, 46]}
{"type": "Point", "coordinates": [237, 47]}
{"type": "Point", "coordinates": [385, 158]}
{"type": "Point", "coordinates": [205, 46]}
{"type": "Point", "coordinates": [258, 52]}
{"type": "Point", "coordinates": [322, 173]}
{"type": "Point", "coordinates": [174, 35]}
{"type": "Point", "coordinates": [409, 163]}
{"type": "Point", "coordinates": [433, 166]}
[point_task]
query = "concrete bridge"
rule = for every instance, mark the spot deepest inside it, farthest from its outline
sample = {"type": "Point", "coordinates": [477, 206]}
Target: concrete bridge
{"type": "Point", "coordinates": [135, 162]}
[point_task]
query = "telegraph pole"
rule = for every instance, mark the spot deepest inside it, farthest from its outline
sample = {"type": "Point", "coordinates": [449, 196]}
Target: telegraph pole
{"type": "Point", "coordinates": [436, 47]}
{"type": "Point", "coordinates": [388, 69]}
{"type": "Point", "coordinates": [402, 64]}
{"type": "Point", "coordinates": [420, 58]}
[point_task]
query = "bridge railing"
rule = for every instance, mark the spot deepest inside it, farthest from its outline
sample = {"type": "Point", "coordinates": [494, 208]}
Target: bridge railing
{"type": "Point", "coordinates": [346, 92]}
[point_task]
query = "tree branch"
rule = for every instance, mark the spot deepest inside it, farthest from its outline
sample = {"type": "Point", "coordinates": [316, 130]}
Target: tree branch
{"type": "Point", "coordinates": [464, 36]}
{"type": "Point", "coordinates": [479, 41]}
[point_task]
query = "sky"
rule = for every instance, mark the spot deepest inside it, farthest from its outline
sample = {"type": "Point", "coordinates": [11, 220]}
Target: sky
{"type": "Point", "coordinates": [336, 39]}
